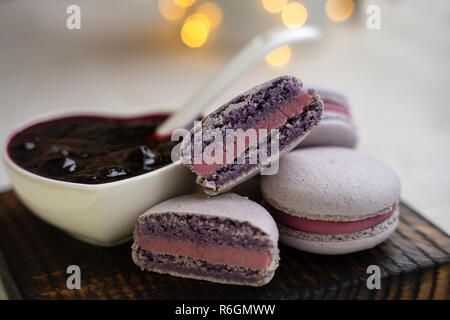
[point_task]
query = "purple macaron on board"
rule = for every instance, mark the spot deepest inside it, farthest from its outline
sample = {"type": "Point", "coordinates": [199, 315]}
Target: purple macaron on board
{"type": "Point", "coordinates": [227, 239]}
{"type": "Point", "coordinates": [337, 127]}
{"type": "Point", "coordinates": [332, 200]}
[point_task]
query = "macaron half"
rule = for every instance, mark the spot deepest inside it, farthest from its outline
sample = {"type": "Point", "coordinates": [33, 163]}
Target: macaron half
{"type": "Point", "coordinates": [337, 127]}
{"type": "Point", "coordinates": [235, 142]}
{"type": "Point", "coordinates": [332, 200]}
{"type": "Point", "coordinates": [226, 239]}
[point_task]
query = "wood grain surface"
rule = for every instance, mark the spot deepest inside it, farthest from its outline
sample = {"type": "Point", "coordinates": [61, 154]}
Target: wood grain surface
{"type": "Point", "coordinates": [34, 257]}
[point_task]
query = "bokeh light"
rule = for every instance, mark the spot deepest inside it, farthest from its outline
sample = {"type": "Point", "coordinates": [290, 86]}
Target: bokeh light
{"type": "Point", "coordinates": [200, 18]}
{"type": "Point", "coordinates": [194, 33]}
{"type": "Point", "coordinates": [212, 11]}
{"type": "Point", "coordinates": [339, 10]}
{"type": "Point", "coordinates": [279, 57]}
{"type": "Point", "coordinates": [294, 15]}
{"type": "Point", "coordinates": [184, 3]}
{"type": "Point", "coordinates": [170, 11]}
{"type": "Point", "coordinates": [274, 6]}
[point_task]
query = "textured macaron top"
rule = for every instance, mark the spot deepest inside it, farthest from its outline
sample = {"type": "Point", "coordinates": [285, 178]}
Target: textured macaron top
{"type": "Point", "coordinates": [331, 183]}
{"type": "Point", "coordinates": [228, 206]}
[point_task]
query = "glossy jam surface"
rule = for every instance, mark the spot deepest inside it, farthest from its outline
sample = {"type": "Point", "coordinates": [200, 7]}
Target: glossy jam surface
{"type": "Point", "coordinates": [91, 149]}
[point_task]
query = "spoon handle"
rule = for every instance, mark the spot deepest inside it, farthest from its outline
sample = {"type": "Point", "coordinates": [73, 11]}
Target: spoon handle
{"type": "Point", "coordinates": [256, 49]}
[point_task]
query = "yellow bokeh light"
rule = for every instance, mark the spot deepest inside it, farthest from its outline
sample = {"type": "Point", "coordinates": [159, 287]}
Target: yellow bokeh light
{"type": "Point", "coordinates": [279, 57]}
{"type": "Point", "coordinates": [212, 11]}
{"type": "Point", "coordinates": [200, 18]}
{"type": "Point", "coordinates": [184, 3]}
{"type": "Point", "coordinates": [194, 33]}
{"type": "Point", "coordinates": [170, 10]}
{"type": "Point", "coordinates": [274, 6]}
{"type": "Point", "coordinates": [294, 15]}
{"type": "Point", "coordinates": [339, 10]}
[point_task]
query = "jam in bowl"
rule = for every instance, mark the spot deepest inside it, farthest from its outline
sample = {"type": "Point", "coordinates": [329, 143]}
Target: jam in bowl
{"type": "Point", "coordinates": [91, 149]}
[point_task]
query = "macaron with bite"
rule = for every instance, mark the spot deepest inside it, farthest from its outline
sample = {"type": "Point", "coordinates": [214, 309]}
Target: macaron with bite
{"type": "Point", "coordinates": [227, 239]}
{"type": "Point", "coordinates": [337, 127]}
{"type": "Point", "coordinates": [332, 200]}
{"type": "Point", "coordinates": [236, 141]}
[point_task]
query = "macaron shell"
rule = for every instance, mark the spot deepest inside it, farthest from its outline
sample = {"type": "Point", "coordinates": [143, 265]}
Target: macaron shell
{"type": "Point", "coordinates": [329, 95]}
{"type": "Point", "coordinates": [355, 242]}
{"type": "Point", "coordinates": [227, 205]}
{"type": "Point", "coordinates": [332, 132]}
{"type": "Point", "coordinates": [331, 183]}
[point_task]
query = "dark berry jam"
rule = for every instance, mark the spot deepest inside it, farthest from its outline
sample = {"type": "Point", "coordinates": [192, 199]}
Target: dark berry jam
{"type": "Point", "coordinates": [91, 149]}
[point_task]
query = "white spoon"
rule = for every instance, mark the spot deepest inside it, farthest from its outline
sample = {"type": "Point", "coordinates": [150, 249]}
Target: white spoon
{"type": "Point", "coordinates": [255, 50]}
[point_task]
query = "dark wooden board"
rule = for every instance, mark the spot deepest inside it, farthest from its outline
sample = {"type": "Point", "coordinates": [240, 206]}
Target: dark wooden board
{"type": "Point", "coordinates": [34, 257]}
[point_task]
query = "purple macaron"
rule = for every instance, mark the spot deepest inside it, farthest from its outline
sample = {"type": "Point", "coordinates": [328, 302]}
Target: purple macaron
{"type": "Point", "coordinates": [332, 200]}
{"type": "Point", "coordinates": [280, 111]}
{"type": "Point", "coordinates": [227, 239]}
{"type": "Point", "coordinates": [337, 127]}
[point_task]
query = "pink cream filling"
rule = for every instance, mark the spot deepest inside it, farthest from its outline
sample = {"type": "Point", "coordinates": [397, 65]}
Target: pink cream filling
{"type": "Point", "coordinates": [238, 257]}
{"type": "Point", "coordinates": [328, 106]}
{"type": "Point", "coordinates": [328, 227]}
{"type": "Point", "coordinates": [277, 119]}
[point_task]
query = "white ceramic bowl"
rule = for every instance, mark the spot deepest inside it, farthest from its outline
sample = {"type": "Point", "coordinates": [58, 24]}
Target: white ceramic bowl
{"type": "Point", "coordinates": [100, 214]}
